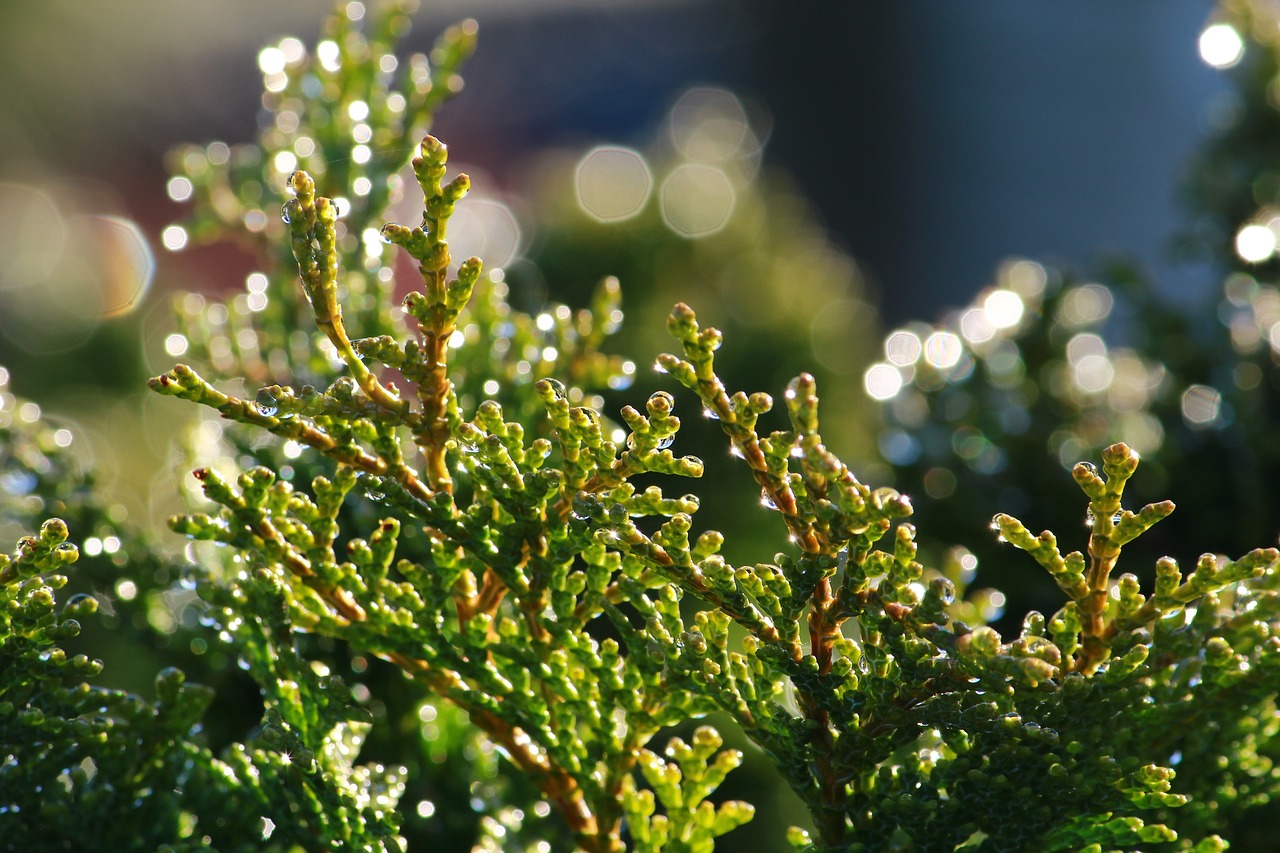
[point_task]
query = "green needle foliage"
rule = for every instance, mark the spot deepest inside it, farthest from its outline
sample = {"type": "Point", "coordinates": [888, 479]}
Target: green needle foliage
{"type": "Point", "coordinates": [431, 545]}
{"type": "Point", "coordinates": [81, 756]}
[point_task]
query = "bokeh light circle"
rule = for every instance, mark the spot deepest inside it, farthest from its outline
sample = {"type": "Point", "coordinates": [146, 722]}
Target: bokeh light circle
{"type": "Point", "coordinates": [697, 200]}
{"type": "Point", "coordinates": [1221, 46]}
{"type": "Point", "coordinates": [32, 236]}
{"type": "Point", "coordinates": [174, 238]}
{"type": "Point", "coordinates": [1003, 308]}
{"type": "Point", "coordinates": [125, 262]}
{"type": "Point", "coordinates": [1084, 305]}
{"type": "Point", "coordinates": [882, 381]}
{"type": "Point", "coordinates": [943, 350]}
{"type": "Point", "coordinates": [903, 348]}
{"type": "Point", "coordinates": [1255, 243]}
{"type": "Point", "coordinates": [1201, 406]}
{"type": "Point", "coordinates": [613, 183]}
{"type": "Point", "coordinates": [709, 125]}
{"type": "Point", "coordinates": [485, 228]}
{"type": "Point", "coordinates": [74, 272]}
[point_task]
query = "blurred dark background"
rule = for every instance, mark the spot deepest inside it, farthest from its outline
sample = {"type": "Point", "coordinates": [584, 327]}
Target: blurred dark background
{"type": "Point", "coordinates": [935, 138]}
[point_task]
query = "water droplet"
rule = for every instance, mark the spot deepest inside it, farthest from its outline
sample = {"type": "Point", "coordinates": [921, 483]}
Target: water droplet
{"type": "Point", "coordinates": [268, 405]}
{"type": "Point", "coordinates": [582, 506]}
{"type": "Point", "coordinates": [666, 442]}
{"type": "Point", "coordinates": [766, 500]}
{"type": "Point", "coordinates": [557, 388]}
{"type": "Point", "coordinates": [284, 213]}
{"type": "Point", "coordinates": [709, 413]}
{"type": "Point", "coordinates": [1088, 518]}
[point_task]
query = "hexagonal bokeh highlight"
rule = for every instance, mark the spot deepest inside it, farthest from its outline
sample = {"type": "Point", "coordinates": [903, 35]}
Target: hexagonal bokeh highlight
{"type": "Point", "coordinates": [697, 200]}
{"type": "Point", "coordinates": [613, 183]}
{"type": "Point", "coordinates": [710, 125]}
{"type": "Point", "coordinates": [125, 263]}
{"type": "Point", "coordinates": [485, 228]}
{"type": "Point", "coordinates": [62, 274]}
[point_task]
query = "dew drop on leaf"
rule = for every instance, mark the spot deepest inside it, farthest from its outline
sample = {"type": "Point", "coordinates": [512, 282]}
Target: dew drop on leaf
{"type": "Point", "coordinates": [268, 405]}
